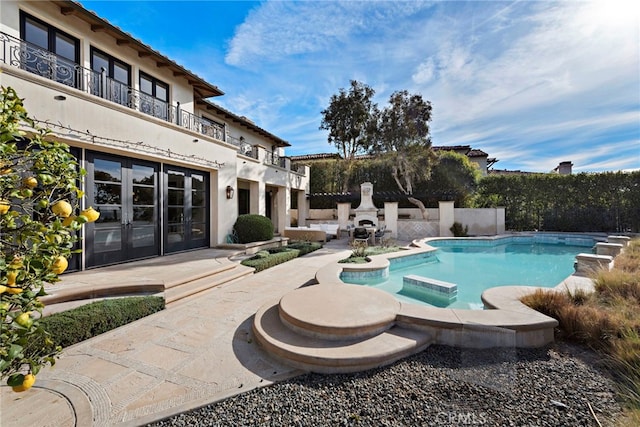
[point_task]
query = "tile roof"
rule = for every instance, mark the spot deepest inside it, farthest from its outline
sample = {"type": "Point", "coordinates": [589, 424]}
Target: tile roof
{"type": "Point", "coordinates": [201, 87]}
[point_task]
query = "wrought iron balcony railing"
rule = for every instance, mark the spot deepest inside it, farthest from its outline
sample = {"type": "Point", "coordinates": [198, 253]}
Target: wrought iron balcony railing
{"type": "Point", "coordinates": [21, 54]}
{"type": "Point", "coordinates": [274, 159]}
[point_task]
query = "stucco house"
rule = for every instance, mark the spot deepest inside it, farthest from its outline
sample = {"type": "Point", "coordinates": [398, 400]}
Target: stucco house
{"type": "Point", "coordinates": [168, 169]}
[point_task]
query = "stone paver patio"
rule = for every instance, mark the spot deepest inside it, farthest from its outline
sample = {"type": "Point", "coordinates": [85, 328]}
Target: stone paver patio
{"type": "Point", "coordinates": [191, 354]}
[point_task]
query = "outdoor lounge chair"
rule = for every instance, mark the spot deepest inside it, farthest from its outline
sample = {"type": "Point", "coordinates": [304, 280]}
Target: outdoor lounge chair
{"type": "Point", "coordinates": [360, 234]}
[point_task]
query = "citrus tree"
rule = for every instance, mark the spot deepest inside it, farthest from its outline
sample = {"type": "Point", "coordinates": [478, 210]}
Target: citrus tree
{"type": "Point", "coordinates": [39, 195]}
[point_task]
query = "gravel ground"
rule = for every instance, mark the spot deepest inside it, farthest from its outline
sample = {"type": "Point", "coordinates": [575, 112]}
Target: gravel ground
{"type": "Point", "coordinates": [441, 386]}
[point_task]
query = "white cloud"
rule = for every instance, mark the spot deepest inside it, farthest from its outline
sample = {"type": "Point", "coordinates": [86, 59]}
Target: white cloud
{"type": "Point", "coordinates": [520, 80]}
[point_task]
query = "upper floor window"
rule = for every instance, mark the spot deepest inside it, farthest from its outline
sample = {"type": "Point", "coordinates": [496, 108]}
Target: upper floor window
{"type": "Point", "coordinates": [111, 78]}
{"type": "Point", "coordinates": [43, 39]}
{"type": "Point", "coordinates": [154, 96]}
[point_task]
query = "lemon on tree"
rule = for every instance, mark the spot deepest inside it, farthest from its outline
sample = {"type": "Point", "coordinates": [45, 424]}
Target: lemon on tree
{"type": "Point", "coordinates": [30, 182]}
{"type": "Point", "coordinates": [27, 382]}
{"type": "Point", "coordinates": [24, 320]}
{"type": "Point", "coordinates": [68, 220]}
{"type": "Point", "coordinates": [62, 208]}
{"type": "Point", "coordinates": [39, 190]}
{"type": "Point", "coordinates": [59, 265]}
{"type": "Point", "coordinates": [91, 214]}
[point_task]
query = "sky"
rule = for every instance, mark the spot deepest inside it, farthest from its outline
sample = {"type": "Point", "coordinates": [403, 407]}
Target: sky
{"type": "Point", "coordinates": [531, 83]}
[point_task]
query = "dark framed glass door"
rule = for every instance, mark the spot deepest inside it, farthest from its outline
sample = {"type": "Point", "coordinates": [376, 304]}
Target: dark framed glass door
{"type": "Point", "coordinates": [186, 209]}
{"type": "Point", "coordinates": [125, 192]}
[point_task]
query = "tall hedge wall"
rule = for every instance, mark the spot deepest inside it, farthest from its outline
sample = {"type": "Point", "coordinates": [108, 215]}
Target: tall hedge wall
{"type": "Point", "coordinates": [453, 177]}
{"type": "Point", "coordinates": [606, 202]}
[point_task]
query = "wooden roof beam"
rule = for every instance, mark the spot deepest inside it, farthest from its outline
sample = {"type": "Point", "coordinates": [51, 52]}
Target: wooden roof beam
{"type": "Point", "coordinates": [98, 28]}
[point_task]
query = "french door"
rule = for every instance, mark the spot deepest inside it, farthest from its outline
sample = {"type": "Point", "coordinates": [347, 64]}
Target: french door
{"type": "Point", "coordinates": [186, 210]}
{"type": "Point", "coordinates": [125, 192]}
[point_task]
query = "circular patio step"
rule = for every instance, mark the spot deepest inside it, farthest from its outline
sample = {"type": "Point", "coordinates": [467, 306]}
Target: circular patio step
{"type": "Point", "coordinates": [338, 312]}
{"type": "Point", "coordinates": [331, 356]}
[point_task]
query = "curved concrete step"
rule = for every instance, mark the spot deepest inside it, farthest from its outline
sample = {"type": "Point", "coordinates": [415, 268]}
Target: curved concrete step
{"type": "Point", "coordinates": [188, 289]}
{"type": "Point", "coordinates": [338, 312]}
{"type": "Point", "coordinates": [331, 356]}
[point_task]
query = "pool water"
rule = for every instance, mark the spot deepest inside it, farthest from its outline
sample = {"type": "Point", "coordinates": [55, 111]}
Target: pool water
{"type": "Point", "coordinates": [476, 268]}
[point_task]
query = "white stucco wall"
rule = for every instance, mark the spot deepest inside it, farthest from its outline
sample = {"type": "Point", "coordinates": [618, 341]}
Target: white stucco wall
{"type": "Point", "coordinates": [481, 222]}
{"type": "Point", "coordinates": [90, 122]}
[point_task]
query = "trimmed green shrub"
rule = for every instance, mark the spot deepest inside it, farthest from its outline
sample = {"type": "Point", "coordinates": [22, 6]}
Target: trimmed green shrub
{"type": "Point", "coordinates": [305, 247]}
{"type": "Point", "coordinates": [84, 322]}
{"type": "Point", "coordinates": [458, 230]}
{"type": "Point", "coordinates": [275, 256]}
{"type": "Point", "coordinates": [253, 228]}
{"type": "Point", "coordinates": [262, 263]}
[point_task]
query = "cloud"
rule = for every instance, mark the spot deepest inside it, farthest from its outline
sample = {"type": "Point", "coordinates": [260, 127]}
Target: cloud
{"type": "Point", "coordinates": [281, 29]}
{"type": "Point", "coordinates": [527, 82]}
{"type": "Point", "coordinates": [425, 72]}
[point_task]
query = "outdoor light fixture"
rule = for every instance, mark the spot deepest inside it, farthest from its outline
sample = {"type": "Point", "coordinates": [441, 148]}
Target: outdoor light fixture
{"type": "Point", "coordinates": [229, 192]}
{"type": "Point", "coordinates": [59, 97]}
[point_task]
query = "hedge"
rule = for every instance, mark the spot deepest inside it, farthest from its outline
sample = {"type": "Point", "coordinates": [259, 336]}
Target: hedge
{"type": "Point", "coordinates": [253, 228]}
{"type": "Point", "coordinates": [274, 256]}
{"type": "Point", "coordinates": [84, 322]}
{"type": "Point", "coordinates": [597, 202]}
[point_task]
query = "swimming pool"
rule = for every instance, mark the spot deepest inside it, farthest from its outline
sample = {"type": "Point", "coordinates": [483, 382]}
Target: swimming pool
{"type": "Point", "coordinates": [474, 265]}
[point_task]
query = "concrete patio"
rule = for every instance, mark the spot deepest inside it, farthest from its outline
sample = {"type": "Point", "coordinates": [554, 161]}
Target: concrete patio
{"type": "Point", "coordinates": [195, 352]}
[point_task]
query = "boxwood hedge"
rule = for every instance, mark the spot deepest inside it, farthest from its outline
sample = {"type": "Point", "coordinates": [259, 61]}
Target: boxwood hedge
{"type": "Point", "coordinates": [81, 323]}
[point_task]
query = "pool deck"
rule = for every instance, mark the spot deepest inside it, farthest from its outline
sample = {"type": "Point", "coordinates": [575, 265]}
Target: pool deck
{"type": "Point", "coordinates": [327, 329]}
{"type": "Point", "coordinates": [206, 348]}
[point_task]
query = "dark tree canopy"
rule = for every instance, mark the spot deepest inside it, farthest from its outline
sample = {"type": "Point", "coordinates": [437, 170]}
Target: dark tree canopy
{"type": "Point", "coordinates": [347, 118]}
{"type": "Point", "coordinates": [402, 136]}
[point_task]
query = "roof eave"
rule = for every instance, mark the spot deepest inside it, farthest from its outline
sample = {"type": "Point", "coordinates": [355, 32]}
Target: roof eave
{"type": "Point", "coordinates": [244, 122]}
{"type": "Point", "coordinates": [201, 88]}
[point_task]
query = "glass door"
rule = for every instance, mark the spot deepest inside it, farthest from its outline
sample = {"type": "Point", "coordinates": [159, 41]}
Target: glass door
{"type": "Point", "coordinates": [124, 191]}
{"type": "Point", "coordinates": [186, 210]}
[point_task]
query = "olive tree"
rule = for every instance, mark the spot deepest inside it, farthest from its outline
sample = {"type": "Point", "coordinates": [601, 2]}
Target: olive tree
{"type": "Point", "coordinates": [39, 195]}
{"type": "Point", "coordinates": [347, 119]}
{"type": "Point", "coordinates": [401, 137]}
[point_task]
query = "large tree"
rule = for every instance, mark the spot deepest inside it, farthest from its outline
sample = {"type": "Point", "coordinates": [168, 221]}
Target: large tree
{"type": "Point", "coordinates": [347, 119]}
{"type": "Point", "coordinates": [402, 137]}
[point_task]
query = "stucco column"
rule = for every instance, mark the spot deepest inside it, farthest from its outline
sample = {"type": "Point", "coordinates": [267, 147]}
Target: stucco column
{"type": "Point", "coordinates": [447, 218]}
{"type": "Point", "coordinates": [256, 195]}
{"type": "Point", "coordinates": [303, 209]}
{"type": "Point", "coordinates": [391, 218]}
{"type": "Point", "coordinates": [500, 217]}
{"type": "Point", "coordinates": [282, 207]}
{"type": "Point", "coordinates": [343, 214]}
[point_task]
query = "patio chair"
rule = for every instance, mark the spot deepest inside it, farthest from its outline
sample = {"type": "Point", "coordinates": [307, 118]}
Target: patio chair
{"type": "Point", "coordinates": [360, 234]}
{"type": "Point", "coordinates": [379, 235]}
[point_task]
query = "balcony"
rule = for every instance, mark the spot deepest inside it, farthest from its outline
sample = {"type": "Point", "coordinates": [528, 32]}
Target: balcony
{"type": "Point", "coordinates": [26, 56]}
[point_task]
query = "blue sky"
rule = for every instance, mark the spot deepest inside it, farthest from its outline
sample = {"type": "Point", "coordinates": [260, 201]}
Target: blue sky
{"type": "Point", "coordinates": [532, 83]}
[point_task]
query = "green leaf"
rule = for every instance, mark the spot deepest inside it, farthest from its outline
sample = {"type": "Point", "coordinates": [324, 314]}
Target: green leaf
{"type": "Point", "coordinates": [15, 380]}
{"type": "Point", "coordinates": [15, 351]}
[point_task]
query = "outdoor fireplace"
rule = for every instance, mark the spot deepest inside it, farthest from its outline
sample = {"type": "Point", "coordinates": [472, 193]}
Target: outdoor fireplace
{"type": "Point", "coordinates": [366, 213]}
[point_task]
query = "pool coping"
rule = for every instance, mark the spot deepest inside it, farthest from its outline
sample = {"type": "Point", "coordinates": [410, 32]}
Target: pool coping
{"type": "Point", "coordinates": [505, 322]}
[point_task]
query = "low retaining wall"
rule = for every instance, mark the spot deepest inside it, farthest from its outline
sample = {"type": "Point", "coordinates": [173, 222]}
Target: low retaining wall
{"type": "Point", "coordinates": [254, 247]}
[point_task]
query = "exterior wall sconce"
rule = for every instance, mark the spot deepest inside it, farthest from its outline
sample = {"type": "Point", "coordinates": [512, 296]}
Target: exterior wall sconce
{"type": "Point", "coordinates": [230, 192]}
{"type": "Point", "coordinates": [59, 97]}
